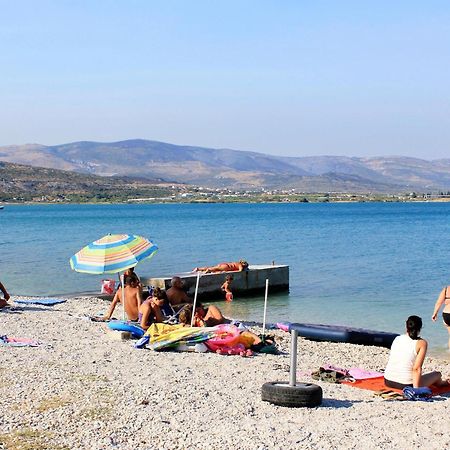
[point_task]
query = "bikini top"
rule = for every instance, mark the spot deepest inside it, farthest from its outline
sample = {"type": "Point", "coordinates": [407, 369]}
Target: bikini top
{"type": "Point", "coordinates": [447, 297]}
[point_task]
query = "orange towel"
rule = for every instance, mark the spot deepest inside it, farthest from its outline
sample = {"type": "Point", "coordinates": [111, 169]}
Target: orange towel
{"type": "Point", "coordinates": [377, 384]}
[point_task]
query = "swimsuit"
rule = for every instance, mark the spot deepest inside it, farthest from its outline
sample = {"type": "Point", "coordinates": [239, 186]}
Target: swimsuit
{"type": "Point", "coordinates": [231, 267]}
{"type": "Point", "coordinates": [446, 315]}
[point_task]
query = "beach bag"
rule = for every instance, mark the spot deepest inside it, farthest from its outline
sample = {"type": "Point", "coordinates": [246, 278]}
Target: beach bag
{"type": "Point", "coordinates": [108, 287]}
{"type": "Point", "coordinates": [328, 375]}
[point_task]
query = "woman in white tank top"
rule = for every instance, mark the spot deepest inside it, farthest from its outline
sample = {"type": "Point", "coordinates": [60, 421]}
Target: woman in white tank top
{"type": "Point", "coordinates": [408, 351]}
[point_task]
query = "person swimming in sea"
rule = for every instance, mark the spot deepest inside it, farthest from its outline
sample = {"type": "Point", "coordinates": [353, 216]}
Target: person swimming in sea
{"type": "Point", "coordinates": [238, 266]}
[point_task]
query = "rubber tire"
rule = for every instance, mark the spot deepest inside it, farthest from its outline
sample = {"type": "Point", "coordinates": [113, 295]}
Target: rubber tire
{"type": "Point", "coordinates": [301, 395]}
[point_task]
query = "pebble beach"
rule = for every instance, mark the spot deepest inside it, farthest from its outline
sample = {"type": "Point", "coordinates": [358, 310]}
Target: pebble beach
{"type": "Point", "coordinates": [82, 389]}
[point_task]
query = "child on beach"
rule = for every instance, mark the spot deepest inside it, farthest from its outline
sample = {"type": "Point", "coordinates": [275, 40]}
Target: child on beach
{"type": "Point", "coordinates": [133, 299]}
{"type": "Point", "coordinates": [4, 301]}
{"type": "Point", "coordinates": [226, 287]}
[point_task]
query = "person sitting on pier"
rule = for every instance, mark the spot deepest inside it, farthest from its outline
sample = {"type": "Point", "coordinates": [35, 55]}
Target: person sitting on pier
{"type": "Point", "coordinates": [152, 309]}
{"type": "Point", "coordinates": [239, 266]}
{"type": "Point", "coordinates": [133, 299]}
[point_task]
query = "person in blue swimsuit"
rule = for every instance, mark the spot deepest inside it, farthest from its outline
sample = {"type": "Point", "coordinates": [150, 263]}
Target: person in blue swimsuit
{"type": "Point", "coordinates": [443, 299]}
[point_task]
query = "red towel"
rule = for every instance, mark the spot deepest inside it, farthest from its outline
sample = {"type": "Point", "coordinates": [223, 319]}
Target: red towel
{"type": "Point", "coordinates": [377, 384]}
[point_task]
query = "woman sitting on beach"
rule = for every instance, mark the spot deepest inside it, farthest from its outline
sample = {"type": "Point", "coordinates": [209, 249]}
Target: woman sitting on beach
{"type": "Point", "coordinates": [239, 266]}
{"type": "Point", "coordinates": [408, 351]}
{"type": "Point", "coordinates": [151, 309]}
{"type": "Point", "coordinates": [443, 299]}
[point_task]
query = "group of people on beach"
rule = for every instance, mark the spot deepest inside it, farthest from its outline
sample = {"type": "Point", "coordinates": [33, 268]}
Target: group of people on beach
{"type": "Point", "coordinates": [407, 354]}
{"type": "Point", "coordinates": [175, 302]}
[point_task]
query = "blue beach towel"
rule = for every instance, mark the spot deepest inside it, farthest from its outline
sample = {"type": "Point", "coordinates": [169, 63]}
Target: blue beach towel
{"type": "Point", "coordinates": [40, 301]}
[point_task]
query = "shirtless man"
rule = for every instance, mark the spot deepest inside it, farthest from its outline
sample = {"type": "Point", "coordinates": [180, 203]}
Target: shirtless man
{"type": "Point", "coordinates": [239, 266]}
{"type": "Point", "coordinates": [133, 299]}
{"type": "Point", "coordinates": [176, 295]}
{"type": "Point", "coordinates": [4, 302]}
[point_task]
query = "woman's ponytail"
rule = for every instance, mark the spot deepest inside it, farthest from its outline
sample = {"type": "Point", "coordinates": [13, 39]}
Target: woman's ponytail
{"type": "Point", "coordinates": [413, 326]}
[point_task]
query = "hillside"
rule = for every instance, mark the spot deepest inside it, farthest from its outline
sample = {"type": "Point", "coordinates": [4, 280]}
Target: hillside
{"type": "Point", "coordinates": [25, 183]}
{"type": "Point", "coordinates": [236, 169]}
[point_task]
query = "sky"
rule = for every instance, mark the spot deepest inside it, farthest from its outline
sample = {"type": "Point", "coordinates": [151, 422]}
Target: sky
{"type": "Point", "coordinates": [295, 78]}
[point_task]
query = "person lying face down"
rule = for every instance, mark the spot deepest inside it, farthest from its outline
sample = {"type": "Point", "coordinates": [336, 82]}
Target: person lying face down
{"type": "Point", "coordinates": [408, 351]}
{"type": "Point", "coordinates": [238, 266]}
{"type": "Point", "coordinates": [133, 299]}
{"type": "Point", "coordinates": [176, 294]}
{"type": "Point", "coordinates": [151, 309]}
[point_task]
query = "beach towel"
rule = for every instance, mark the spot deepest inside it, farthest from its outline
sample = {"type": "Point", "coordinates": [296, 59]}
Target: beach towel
{"type": "Point", "coordinates": [40, 301]}
{"type": "Point", "coordinates": [165, 336]}
{"type": "Point", "coordinates": [361, 374]}
{"type": "Point", "coordinates": [18, 342]}
{"type": "Point", "coordinates": [377, 385]}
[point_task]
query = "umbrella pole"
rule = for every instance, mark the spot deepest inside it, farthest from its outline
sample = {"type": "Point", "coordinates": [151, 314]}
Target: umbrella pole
{"type": "Point", "coordinates": [195, 299]}
{"type": "Point", "coordinates": [123, 296]}
{"type": "Point", "coordinates": [265, 308]}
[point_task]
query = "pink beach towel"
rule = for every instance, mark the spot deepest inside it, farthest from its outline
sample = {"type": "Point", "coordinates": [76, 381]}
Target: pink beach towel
{"type": "Point", "coordinates": [18, 342]}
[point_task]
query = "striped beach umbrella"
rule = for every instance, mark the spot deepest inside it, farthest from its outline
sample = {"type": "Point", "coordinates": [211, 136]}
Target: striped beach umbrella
{"type": "Point", "coordinates": [112, 254]}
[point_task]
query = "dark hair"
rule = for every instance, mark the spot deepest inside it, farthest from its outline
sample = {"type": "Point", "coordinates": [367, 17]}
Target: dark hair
{"type": "Point", "coordinates": [229, 278]}
{"type": "Point", "coordinates": [159, 294]}
{"type": "Point", "coordinates": [413, 326]}
{"type": "Point", "coordinates": [130, 280]}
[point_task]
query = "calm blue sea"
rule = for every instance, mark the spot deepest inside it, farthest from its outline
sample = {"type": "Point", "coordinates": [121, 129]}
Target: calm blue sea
{"type": "Point", "coordinates": [368, 264]}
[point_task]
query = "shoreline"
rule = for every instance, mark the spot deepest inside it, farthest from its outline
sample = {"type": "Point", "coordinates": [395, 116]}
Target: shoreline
{"type": "Point", "coordinates": [244, 202]}
{"type": "Point", "coordinates": [83, 390]}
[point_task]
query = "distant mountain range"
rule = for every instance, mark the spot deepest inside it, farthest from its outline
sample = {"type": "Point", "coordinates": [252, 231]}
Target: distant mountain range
{"type": "Point", "coordinates": [237, 169]}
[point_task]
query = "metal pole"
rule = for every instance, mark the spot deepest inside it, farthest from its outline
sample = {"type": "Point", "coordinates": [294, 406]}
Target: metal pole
{"type": "Point", "coordinates": [265, 307]}
{"type": "Point", "coordinates": [195, 299]}
{"type": "Point", "coordinates": [293, 370]}
{"type": "Point", "coordinates": [123, 296]}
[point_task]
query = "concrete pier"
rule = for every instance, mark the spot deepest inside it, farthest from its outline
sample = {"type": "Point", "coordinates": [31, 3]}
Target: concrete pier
{"type": "Point", "coordinates": [250, 282]}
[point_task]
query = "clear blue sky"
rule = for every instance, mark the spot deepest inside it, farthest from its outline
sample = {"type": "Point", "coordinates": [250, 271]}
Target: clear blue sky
{"type": "Point", "coordinates": [357, 78]}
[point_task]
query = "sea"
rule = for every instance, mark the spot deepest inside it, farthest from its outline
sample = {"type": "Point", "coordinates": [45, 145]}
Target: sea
{"type": "Point", "coordinates": [361, 264]}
